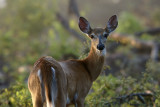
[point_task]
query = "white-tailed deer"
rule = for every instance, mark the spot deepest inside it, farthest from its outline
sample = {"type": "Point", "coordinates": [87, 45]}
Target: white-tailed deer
{"type": "Point", "coordinates": [60, 84]}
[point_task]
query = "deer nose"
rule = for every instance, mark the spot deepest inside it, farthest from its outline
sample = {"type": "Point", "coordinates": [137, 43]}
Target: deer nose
{"type": "Point", "coordinates": [100, 46]}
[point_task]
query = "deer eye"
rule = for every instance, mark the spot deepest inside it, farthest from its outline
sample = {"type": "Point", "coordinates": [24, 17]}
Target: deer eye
{"type": "Point", "coordinates": [91, 36]}
{"type": "Point", "coordinates": [105, 35]}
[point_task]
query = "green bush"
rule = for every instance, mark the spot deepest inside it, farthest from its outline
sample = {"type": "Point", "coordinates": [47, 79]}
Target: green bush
{"type": "Point", "coordinates": [106, 90]}
{"type": "Point", "coordinates": [15, 96]}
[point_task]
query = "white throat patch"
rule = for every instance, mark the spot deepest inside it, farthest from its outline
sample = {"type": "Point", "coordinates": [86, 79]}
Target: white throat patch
{"type": "Point", "coordinates": [102, 52]}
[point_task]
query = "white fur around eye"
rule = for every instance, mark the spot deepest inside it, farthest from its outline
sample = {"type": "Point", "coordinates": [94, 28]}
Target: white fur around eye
{"type": "Point", "coordinates": [92, 36]}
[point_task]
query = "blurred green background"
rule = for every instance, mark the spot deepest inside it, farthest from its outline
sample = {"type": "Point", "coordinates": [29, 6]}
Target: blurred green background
{"type": "Point", "coordinates": [30, 29]}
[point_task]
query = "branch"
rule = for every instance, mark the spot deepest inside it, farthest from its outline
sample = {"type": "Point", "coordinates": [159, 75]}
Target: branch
{"type": "Point", "coordinates": [73, 8]}
{"type": "Point", "coordinates": [152, 31]}
{"type": "Point", "coordinates": [127, 98]}
{"type": "Point", "coordinates": [65, 24]}
{"type": "Point", "coordinates": [129, 39]}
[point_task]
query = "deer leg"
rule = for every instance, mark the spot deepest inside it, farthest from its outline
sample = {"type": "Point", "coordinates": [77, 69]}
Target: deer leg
{"type": "Point", "coordinates": [37, 101]}
{"type": "Point", "coordinates": [35, 90]}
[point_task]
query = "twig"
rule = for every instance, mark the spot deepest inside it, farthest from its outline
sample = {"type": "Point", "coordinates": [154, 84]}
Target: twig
{"type": "Point", "coordinates": [127, 98]}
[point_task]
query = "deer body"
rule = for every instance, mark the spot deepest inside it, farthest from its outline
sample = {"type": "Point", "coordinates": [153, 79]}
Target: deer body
{"type": "Point", "coordinates": [60, 84]}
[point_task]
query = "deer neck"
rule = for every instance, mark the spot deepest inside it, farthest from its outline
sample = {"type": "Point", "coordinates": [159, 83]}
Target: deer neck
{"type": "Point", "coordinates": [94, 62]}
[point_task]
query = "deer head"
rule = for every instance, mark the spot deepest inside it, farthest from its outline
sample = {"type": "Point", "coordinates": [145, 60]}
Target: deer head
{"type": "Point", "coordinates": [98, 36]}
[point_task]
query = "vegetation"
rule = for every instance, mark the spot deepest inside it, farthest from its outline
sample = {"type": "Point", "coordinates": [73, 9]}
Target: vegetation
{"type": "Point", "coordinates": [112, 91]}
{"type": "Point", "coordinates": [16, 96]}
{"type": "Point", "coordinates": [106, 91]}
{"type": "Point", "coordinates": [27, 35]}
{"type": "Point", "coordinates": [30, 29]}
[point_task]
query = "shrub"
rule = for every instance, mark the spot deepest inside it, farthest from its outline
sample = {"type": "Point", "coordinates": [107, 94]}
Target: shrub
{"type": "Point", "coordinates": [15, 96]}
{"type": "Point", "coordinates": [111, 91]}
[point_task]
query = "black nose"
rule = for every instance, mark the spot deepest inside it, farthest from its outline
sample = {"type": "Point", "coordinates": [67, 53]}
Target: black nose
{"type": "Point", "coordinates": [100, 46]}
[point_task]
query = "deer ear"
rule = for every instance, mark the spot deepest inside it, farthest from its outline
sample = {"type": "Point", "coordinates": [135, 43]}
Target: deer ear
{"type": "Point", "coordinates": [84, 25]}
{"type": "Point", "coordinates": [112, 24]}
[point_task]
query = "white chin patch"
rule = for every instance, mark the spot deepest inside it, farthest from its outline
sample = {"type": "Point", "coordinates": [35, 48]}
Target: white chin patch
{"type": "Point", "coordinates": [101, 52]}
